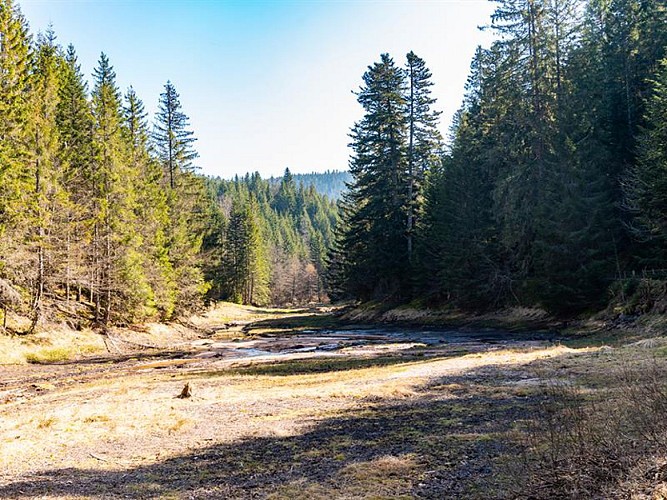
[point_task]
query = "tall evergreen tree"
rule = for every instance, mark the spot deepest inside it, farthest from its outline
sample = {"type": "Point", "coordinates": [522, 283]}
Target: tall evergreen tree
{"type": "Point", "coordinates": [374, 208]}
{"type": "Point", "coordinates": [186, 195]}
{"type": "Point", "coordinates": [172, 136]}
{"type": "Point", "coordinates": [646, 186]}
{"type": "Point", "coordinates": [285, 199]}
{"type": "Point", "coordinates": [74, 122]}
{"type": "Point", "coordinates": [46, 194]}
{"type": "Point", "coordinates": [151, 208]}
{"type": "Point", "coordinates": [424, 140]}
{"type": "Point", "coordinates": [121, 285]}
{"type": "Point", "coordinates": [15, 70]}
{"type": "Point", "coordinates": [245, 258]}
{"type": "Point", "coordinates": [623, 40]}
{"type": "Point", "coordinates": [459, 251]}
{"type": "Point", "coordinates": [15, 180]}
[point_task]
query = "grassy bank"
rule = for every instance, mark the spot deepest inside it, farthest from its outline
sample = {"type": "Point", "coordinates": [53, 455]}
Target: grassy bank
{"type": "Point", "coordinates": [58, 342]}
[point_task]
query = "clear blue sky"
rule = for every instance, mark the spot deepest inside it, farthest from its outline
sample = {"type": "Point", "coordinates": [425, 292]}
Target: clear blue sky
{"type": "Point", "coordinates": [267, 85]}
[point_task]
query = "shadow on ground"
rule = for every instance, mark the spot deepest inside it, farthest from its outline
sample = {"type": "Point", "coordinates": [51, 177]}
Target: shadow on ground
{"type": "Point", "coordinates": [297, 322]}
{"type": "Point", "coordinates": [306, 366]}
{"type": "Point", "coordinates": [447, 443]}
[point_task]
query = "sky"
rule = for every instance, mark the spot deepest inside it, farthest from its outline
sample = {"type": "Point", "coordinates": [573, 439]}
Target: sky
{"type": "Point", "coordinates": [268, 84]}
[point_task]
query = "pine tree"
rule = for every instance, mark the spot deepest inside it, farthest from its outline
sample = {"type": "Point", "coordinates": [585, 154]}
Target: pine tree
{"type": "Point", "coordinates": [646, 186]}
{"type": "Point", "coordinates": [151, 209]}
{"type": "Point", "coordinates": [424, 140]}
{"type": "Point", "coordinates": [374, 209]}
{"type": "Point", "coordinates": [186, 197]}
{"type": "Point", "coordinates": [121, 285]}
{"type": "Point", "coordinates": [75, 124]}
{"type": "Point", "coordinates": [285, 199]}
{"type": "Point", "coordinates": [623, 40]}
{"type": "Point", "coordinates": [573, 251]}
{"type": "Point", "coordinates": [245, 258]}
{"type": "Point", "coordinates": [171, 136]}
{"type": "Point", "coordinates": [46, 196]}
{"type": "Point", "coordinates": [15, 68]}
{"type": "Point", "coordinates": [459, 257]}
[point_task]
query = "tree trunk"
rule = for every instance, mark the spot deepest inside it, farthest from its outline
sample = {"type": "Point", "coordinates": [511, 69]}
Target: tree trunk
{"type": "Point", "coordinates": [68, 250]}
{"type": "Point", "coordinates": [39, 284]}
{"type": "Point", "coordinates": [411, 165]}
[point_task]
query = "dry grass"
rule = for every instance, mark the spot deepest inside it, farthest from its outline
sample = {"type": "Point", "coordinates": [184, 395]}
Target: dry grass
{"type": "Point", "coordinates": [227, 312]}
{"type": "Point", "coordinates": [603, 434]}
{"type": "Point", "coordinates": [135, 417]}
{"type": "Point", "coordinates": [348, 425]}
{"type": "Point", "coordinates": [52, 345]}
{"type": "Point", "coordinates": [382, 468]}
{"type": "Point", "coordinates": [386, 477]}
{"type": "Point", "coordinates": [56, 343]}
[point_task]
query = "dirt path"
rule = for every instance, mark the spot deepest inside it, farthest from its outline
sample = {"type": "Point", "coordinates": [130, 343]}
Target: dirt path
{"type": "Point", "coordinates": [348, 414]}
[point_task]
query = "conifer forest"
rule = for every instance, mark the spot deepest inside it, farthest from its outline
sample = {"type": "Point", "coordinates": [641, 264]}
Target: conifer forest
{"type": "Point", "coordinates": [551, 188]}
{"type": "Point", "coordinates": [102, 208]}
{"type": "Point", "coordinates": [548, 190]}
{"type": "Point", "coordinates": [473, 307]}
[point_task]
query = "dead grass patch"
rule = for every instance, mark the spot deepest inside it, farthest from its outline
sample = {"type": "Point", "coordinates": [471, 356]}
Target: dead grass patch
{"type": "Point", "coordinates": [46, 422]}
{"type": "Point", "coordinates": [54, 345]}
{"type": "Point", "coordinates": [178, 424]}
{"type": "Point", "coordinates": [301, 489]}
{"type": "Point", "coordinates": [382, 469]}
{"type": "Point", "coordinates": [96, 418]}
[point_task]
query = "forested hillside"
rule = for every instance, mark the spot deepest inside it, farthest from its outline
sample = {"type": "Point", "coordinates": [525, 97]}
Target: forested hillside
{"type": "Point", "coordinates": [103, 217]}
{"type": "Point", "coordinates": [272, 240]}
{"type": "Point", "coordinates": [88, 214]}
{"type": "Point", "coordinates": [330, 183]}
{"type": "Point", "coordinates": [553, 191]}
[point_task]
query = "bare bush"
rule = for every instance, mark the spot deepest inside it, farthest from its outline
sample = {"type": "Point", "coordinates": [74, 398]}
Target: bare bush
{"type": "Point", "coordinates": [586, 444]}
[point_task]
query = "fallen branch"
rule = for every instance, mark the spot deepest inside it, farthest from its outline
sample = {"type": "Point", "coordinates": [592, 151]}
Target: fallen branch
{"type": "Point", "coordinates": [111, 341]}
{"type": "Point", "coordinates": [102, 459]}
{"type": "Point", "coordinates": [96, 457]}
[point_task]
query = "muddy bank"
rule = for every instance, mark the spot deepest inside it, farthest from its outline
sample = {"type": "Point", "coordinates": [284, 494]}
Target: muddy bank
{"type": "Point", "coordinates": [516, 322]}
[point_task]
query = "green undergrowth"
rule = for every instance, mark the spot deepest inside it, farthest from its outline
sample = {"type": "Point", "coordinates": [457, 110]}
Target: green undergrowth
{"type": "Point", "coordinates": [51, 355]}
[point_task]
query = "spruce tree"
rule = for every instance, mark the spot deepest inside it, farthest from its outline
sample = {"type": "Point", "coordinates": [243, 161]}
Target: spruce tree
{"type": "Point", "coordinates": [374, 209]}
{"type": "Point", "coordinates": [151, 209]}
{"type": "Point", "coordinates": [458, 252]}
{"type": "Point", "coordinates": [424, 140]}
{"type": "Point", "coordinates": [646, 185]}
{"type": "Point", "coordinates": [75, 124]}
{"type": "Point", "coordinates": [121, 285]}
{"type": "Point", "coordinates": [245, 259]}
{"type": "Point", "coordinates": [15, 180]}
{"type": "Point", "coordinates": [285, 199]}
{"type": "Point", "coordinates": [186, 196]}
{"type": "Point", "coordinates": [46, 196]}
{"type": "Point", "coordinates": [172, 137]}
